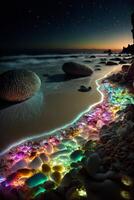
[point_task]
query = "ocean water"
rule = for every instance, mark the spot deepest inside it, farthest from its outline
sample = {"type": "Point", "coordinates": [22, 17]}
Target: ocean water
{"type": "Point", "coordinates": [49, 68]}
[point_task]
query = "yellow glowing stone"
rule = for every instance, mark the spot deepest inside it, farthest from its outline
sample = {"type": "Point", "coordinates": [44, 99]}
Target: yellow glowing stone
{"type": "Point", "coordinates": [82, 192]}
{"type": "Point", "coordinates": [46, 168]}
{"type": "Point", "coordinates": [59, 168]}
{"type": "Point", "coordinates": [127, 181]}
{"type": "Point", "coordinates": [56, 176]}
{"type": "Point", "coordinates": [125, 194]}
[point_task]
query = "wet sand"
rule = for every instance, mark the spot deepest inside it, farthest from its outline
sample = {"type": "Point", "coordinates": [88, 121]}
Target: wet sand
{"type": "Point", "coordinates": [43, 112]}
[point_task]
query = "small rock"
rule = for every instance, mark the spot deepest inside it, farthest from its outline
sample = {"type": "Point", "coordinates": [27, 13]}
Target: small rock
{"type": "Point", "coordinates": [20, 164]}
{"type": "Point", "coordinates": [36, 180]}
{"type": "Point", "coordinates": [76, 155]}
{"type": "Point", "coordinates": [93, 164]}
{"type": "Point", "coordinates": [44, 157]}
{"type": "Point", "coordinates": [84, 88]}
{"type": "Point", "coordinates": [35, 163]}
{"type": "Point", "coordinates": [56, 176]}
{"type": "Point", "coordinates": [111, 63]}
{"type": "Point", "coordinates": [49, 185]}
{"type": "Point", "coordinates": [46, 169]}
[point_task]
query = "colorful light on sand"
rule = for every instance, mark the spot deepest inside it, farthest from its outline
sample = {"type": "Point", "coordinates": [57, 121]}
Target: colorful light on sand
{"type": "Point", "coordinates": [50, 158]}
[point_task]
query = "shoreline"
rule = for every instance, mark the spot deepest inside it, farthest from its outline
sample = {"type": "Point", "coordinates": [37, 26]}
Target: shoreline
{"type": "Point", "coordinates": [69, 123]}
{"type": "Point", "coordinates": [67, 148]}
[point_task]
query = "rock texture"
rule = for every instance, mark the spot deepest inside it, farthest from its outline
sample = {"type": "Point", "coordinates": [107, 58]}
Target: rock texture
{"type": "Point", "coordinates": [18, 85]}
{"type": "Point", "coordinates": [76, 69]}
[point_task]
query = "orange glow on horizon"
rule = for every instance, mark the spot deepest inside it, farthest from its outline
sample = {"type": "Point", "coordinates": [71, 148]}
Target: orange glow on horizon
{"type": "Point", "coordinates": [115, 43]}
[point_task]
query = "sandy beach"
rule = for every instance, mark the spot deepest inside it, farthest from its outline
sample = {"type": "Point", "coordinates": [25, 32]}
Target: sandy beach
{"type": "Point", "coordinates": [47, 111]}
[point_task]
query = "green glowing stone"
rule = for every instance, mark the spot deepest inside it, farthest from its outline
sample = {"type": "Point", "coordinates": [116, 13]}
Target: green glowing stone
{"type": "Point", "coordinates": [76, 155]}
{"type": "Point", "coordinates": [36, 180]}
{"type": "Point", "coordinates": [38, 191]}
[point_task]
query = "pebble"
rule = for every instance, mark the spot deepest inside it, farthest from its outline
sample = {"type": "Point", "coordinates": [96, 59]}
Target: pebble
{"type": "Point", "coordinates": [37, 191]}
{"type": "Point", "coordinates": [35, 163]}
{"type": "Point", "coordinates": [56, 176]}
{"type": "Point", "coordinates": [48, 148]}
{"type": "Point", "coordinates": [36, 180]}
{"type": "Point", "coordinates": [76, 155]}
{"type": "Point", "coordinates": [46, 169]}
{"type": "Point", "coordinates": [68, 142]}
{"type": "Point", "coordinates": [66, 180]}
{"type": "Point", "coordinates": [103, 176]}
{"type": "Point", "coordinates": [58, 153]}
{"type": "Point", "coordinates": [49, 185]}
{"type": "Point", "coordinates": [23, 173]}
{"type": "Point", "coordinates": [44, 157]}
{"type": "Point", "coordinates": [93, 164]}
{"type": "Point", "coordinates": [58, 168]}
{"type": "Point", "coordinates": [61, 147]}
{"type": "Point", "coordinates": [80, 140]}
{"type": "Point", "coordinates": [20, 164]}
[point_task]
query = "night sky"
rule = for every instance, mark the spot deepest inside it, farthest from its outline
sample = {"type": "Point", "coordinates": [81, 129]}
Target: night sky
{"type": "Point", "coordinates": [64, 24]}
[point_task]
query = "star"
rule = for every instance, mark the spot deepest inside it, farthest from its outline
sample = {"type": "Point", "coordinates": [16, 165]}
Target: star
{"type": "Point", "coordinates": [59, 2]}
{"type": "Point", "coordinates": [35, 26]}
{"type": "Point", "coordinates": [49, 23]}
{"type": "Point", "coordinates": [37, 17]}
{"type": "Point", "coordinates": [82, 6]}
{"type": "Point", "coordinates": [29, 11]}
{"type": "Point", "coordinates": [70, 5]}
{"type": "Point", "coordinates": [68, 13]}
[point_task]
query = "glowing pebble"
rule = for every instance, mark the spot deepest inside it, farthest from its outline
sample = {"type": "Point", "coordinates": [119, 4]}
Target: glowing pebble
{"type": "Point", "coordinates": [68, 142]}
{"type": "Point", "coordinates": [48, 148]}
{"type": "Point", "coordinates": [35, 163]}
{"type": "Point", "coordinates": [125, 194]}
{"type": "Point", "coordinates": [127, 181]}
{"type": "Point", "coordinates": [62, 152]}
{"type": "Point", "coordinates": [56, 176]}
{"type": "Point", "coordinates": [20, 164]}
{"type": "Point", "coordinates": [25, 173]}
{"type": "Point", "coordinates": [58, 168]}
{"type": "Point", "coordinates": [37, 191]}
{"type": "Point", "coordinates": [82, 192]}
{"type": "Point", "coordinates": [36, 180]}
{"type": "Point", "coordinates": [61, 147]}
{"type": "Point", "coordinates": [76, 155]}
{"type": "Point", "coordinates": [80, 140]}
{"type": "Point", "coordinates": [100, 124]}
{"type": "Point", "coordinates": [46, 168]}
{"type": "Point", "coordinates": [44, 157]}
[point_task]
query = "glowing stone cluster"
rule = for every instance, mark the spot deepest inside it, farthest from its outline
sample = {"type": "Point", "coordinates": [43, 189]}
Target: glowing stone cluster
{"type": "Point", "coordinates": [38, 166]}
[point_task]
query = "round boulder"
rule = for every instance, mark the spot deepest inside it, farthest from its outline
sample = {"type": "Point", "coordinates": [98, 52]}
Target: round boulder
{"type": "Point", "coordinates": [76, 69]}
{"type": "Point", "coordinates": [18, 85]}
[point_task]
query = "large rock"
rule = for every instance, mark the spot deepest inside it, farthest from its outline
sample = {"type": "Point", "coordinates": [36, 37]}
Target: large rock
{"type": "Point", "coordinates": [18, 85]}
{"type": "Point", "coordinates": [131, 71]}
{"type": "Point", "coordinates": [76, 69]}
